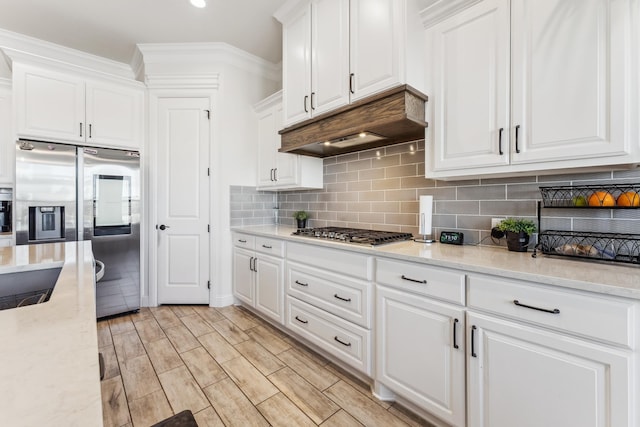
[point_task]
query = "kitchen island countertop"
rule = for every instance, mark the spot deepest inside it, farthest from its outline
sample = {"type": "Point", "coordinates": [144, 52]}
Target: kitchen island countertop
{"type": "Point", "coordinates": [606, 278]}
{"type": "Point", "coordinates": [49, 373]}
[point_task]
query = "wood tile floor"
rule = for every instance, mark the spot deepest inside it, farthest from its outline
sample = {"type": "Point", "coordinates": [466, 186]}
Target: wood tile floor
{"type": "Point", "coordinates": [230, 368]}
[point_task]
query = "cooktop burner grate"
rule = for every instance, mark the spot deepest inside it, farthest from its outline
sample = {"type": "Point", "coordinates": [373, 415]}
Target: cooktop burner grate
{"type": "Point", "coordinates": [353, 235]}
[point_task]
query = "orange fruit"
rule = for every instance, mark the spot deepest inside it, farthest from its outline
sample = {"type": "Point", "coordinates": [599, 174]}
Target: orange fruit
{"type": "Point", "coordinates": [601, 198]}
{"type": "Point", "coordinates": [629, 198]}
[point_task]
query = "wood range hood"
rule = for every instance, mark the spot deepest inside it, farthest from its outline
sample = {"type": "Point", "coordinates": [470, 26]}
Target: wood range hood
{"type": "Point", "coordinates": [386, 118]}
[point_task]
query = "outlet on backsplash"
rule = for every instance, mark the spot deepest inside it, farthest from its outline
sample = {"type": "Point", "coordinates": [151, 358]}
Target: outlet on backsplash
{"type": "Point", "coordinates": [495, 222]}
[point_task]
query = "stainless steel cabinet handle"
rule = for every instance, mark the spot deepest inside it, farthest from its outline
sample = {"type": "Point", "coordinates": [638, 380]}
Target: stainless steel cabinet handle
{"type": "Point", "coordinates": [89, 130]}
{"type": "Point", "coordinates": [473, 346]}
{"type": "Point", "coordinates": [455, 341]}
{"type": "Point", "coordinates": [346, 344]}
{"type": "Point", "coordinates": [413, 280]}
{"type": "Point", "coordinates": [255, 264]}
{"type": "Point", "coordinates": [500, 141]}
{"type": "Point", "coordinates": [313, 94]}
{"type": "Point", "coordinates": [351, 88]}
{"type": "Point", "coordinates": [251, 263]}
{"type": "Point", "coordinates": [301, 284]}
{"type": "Point", "coordinates": [267, 247]}
{"type": "Point", "coordinates": [80, 128]}
{"type": "Point", "coordinates": [301, 321]}
{"type": "Point", "coordinates": [306, 98]}
{"type": "Point", "coordinates": [517, 145]}
{"type": "Point", "coordinates": [341, 299]}
{"type": "Point", "coordinates": [275, 174]}
{"type": "Point", "coordinates": [546, 310]}
{"type": "Point", "coordinates": [242, 241]}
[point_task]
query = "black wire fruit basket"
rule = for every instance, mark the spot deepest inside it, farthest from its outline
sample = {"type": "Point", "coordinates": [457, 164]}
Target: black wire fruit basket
{"type": "Point", "coordinates": [609, 196]}
{"type": "Point", "coordinates": [615, 247]}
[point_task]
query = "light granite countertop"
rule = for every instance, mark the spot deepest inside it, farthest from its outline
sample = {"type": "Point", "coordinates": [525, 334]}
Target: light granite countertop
{"type": "Point", "coordinates": [606, 278]}
{"type": "Point", "coordinates": [49, 373]}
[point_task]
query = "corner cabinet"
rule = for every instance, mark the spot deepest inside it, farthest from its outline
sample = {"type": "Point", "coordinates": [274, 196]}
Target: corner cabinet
{"type": "Point", "coordinates": [530, 85]}
{"type": "Point", "coordinates": [7, 144]}
{"type": "Point", "coordinates": [338, 51]}
{"type": "Point", "coordinates": [57, 106]}
{"type": "Point", "coordinates": [281, 171]}
{"type": "Point", "coordinates": [258, 267]}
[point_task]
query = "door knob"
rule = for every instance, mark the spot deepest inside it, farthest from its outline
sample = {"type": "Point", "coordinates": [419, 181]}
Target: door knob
{"type": "Point", "coordinates": [162, 227]}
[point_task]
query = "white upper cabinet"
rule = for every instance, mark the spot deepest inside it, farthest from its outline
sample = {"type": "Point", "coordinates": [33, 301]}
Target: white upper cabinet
{"type": "Point", "coordinates": [338, 51]}
{"type": "Point", "coordinates": [62, 107]}
{"type": "Point", "coordinates": [280, 171]}
{"type": "Point", "coordinates": [7, 144]}
{"type": "Point", "coordinates": [523, 85]}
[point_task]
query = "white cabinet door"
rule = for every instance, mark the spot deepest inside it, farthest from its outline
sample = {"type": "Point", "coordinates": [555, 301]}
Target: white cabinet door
{"type": "Point", "coordinates": [528, 377]}
{"type": "Point", "coordinates": [296, 71]}
{"type": "Point", "coordinates": [270, 286]}
{"type": "Point", "coordinates": [114, 115]}
{"type": "Point", "coordinates": [570, 78]}
{"type": "Point", "coordinates": [469, 77]}
{"type": "Point", "coordinates": [243, 277]}
{"type": "Point", "coordinates": [287, 166]}
{"type": "Point", "coordinates": [421, 352]}
{"type": "Point", "coordinates": [7, 144]}
{"type": "Point", "coordinates": [267, 148]}
{"type": "Point", "coordinates": [49, 105]}
{"type": "Point", "coordinates": [330, 55]}
{"type": "Point", "coordinates": [375, 45]}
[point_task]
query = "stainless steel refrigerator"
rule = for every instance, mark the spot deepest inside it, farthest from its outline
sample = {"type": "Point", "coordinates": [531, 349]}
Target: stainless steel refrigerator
{"type": "Point", "coordinates": [67, 193]}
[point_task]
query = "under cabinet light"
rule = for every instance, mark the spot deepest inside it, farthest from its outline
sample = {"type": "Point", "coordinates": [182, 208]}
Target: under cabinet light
{"type": "Point", "coordinates": [198, 3]}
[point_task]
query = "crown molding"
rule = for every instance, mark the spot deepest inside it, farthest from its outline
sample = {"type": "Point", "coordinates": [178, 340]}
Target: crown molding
{"type": "Point", "coordinates": [29, 49]}
{"type": "Point", "coordinates": [157, 55]}
{"type": "Point", "coordinates": [440, 10]}
{"type": "Point", "coordinates": [289, 10]}
{"type": "Point", "coordinates": [183, 81]}
{"type": "Point", "coordinates": [268, 102]}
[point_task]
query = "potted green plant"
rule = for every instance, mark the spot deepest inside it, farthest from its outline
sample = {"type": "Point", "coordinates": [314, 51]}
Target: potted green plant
{"type": "Point", "coordinates": [517, 231]}
{"type": "Point", "coordinates": [301, 217]}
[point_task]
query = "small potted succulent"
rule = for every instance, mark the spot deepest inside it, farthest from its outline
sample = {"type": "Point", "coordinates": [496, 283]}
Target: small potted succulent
{"type": "Point", "coordinates": [301, 218]}
{"type": "Point", "coordinates": [517, 231]}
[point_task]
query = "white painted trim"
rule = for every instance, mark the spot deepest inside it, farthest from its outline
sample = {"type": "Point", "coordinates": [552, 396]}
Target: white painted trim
{"type": "Point", "coordinates": [208, 54]}
{"type": "Point", "coordinates": [137, 65]}
{"type": "Point", "coordinates": [221, 301]}
{"type": "Point", "coordinates": [42, 51]}
{"type": "Point", "coordinates": [443, 9]}
{"type": "Point", "coordinates": [289, 10]}
{"type": "Point", "coordinates": [182, 81]}
{"type": "Point", "coordinates": [268, 102]}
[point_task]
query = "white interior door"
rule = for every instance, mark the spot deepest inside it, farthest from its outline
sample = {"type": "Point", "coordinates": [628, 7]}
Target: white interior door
{"type": "Point", "coordinates": [183, 201]}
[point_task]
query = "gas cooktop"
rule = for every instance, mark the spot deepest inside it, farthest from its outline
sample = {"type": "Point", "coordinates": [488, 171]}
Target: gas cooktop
{"type": "Point", "coordinates": [353, 235]}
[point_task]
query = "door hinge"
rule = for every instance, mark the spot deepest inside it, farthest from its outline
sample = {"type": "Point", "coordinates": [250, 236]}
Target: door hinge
{"type": "Point", "coordinates": [208, 228]}
{"type": "Point", "coordinates": [208, 114]}
{"type": "Point", "coordinates": [208, 284]}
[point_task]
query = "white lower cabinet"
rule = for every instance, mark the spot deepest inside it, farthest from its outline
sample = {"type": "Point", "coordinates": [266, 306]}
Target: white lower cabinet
{"type": "Point", "coordinates": [420, 352]}
{"type": "Point", "coordinates": [528, 377]}
{"type": "Point", "coordinates": [258, 269]}
{"type": "Point", "coordinates": [541, 356]}
{"type": "Point", "coordinates": [329, 301]}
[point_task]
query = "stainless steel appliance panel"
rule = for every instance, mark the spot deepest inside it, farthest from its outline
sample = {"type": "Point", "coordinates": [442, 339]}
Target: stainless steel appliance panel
{"type": "Point", "coordinates": [45, 177]}
{"type": "Point", "coordinates": [6, 210]}
{"type": "Point", "coordinates": [111, 220]}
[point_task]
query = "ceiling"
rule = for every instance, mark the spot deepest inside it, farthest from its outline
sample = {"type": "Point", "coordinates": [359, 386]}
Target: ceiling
{"type": "Point", "coordinates": [112, 28]}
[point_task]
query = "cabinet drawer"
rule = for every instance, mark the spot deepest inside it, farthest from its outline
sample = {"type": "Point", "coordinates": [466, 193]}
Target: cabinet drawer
{"type": "Point", "coordinates": [270, 246]}
{"type": "Point", "coordinates": [244, 240]}
{"type": "Point", "coordinates": [595, 316]}
{"type": "Point", "coordinates": [344, 297]}
{"type": "Point", "coordinates": [342, 262]}
{"type": "Point", "coordinates": [346, 341]}
{"type": "Point", "coordinates": [448, 285]}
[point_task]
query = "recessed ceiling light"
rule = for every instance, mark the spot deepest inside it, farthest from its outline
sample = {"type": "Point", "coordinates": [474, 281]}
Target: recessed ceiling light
{"type": "Point", "coordinates": [198, 3]}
